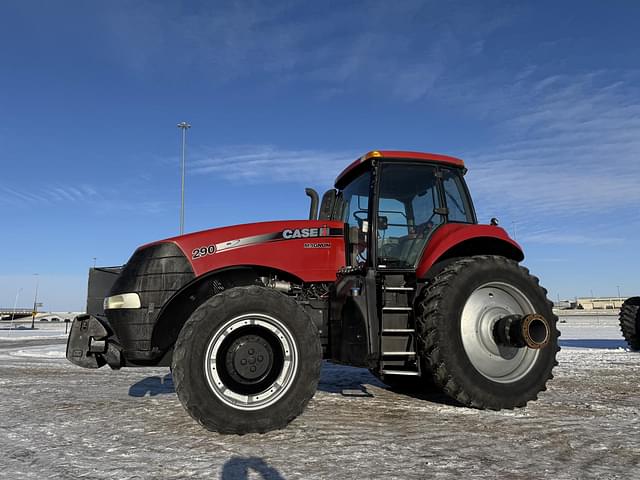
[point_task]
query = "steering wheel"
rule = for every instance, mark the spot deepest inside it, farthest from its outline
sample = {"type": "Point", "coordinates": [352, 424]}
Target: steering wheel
{"type": "Point", "coordinates": [358, 213]}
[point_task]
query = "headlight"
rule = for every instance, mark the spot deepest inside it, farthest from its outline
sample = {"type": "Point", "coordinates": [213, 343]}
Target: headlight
{"type": "Point", "coordinates": [124, 300]}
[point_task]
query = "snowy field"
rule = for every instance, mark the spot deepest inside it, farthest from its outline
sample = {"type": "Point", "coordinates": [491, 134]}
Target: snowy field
{"type": "Point", "coordinates": [60, 421]}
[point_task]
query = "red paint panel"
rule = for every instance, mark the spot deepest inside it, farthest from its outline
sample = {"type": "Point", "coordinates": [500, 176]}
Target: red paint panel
{"type": "Point", "coordinates": [451, 234]}
{"type": "Point", "coordinates": [289, 255]}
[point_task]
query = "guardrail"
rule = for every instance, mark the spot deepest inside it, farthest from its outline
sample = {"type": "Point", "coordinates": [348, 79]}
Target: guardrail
{"type": "Point", "coordinates": [17, 311]}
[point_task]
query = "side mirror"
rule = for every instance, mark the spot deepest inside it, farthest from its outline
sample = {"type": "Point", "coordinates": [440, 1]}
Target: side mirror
{"type": "Point", "coordinates": [383, 222]}
{"type": "Point", "coordinates": [441, 211]}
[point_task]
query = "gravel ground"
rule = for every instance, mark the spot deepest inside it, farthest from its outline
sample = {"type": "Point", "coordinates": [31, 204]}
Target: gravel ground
{"type": "Point", "coordinates": [60, 421]}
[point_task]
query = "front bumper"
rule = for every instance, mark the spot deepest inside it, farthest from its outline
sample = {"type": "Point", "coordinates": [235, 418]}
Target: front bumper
{"type": "Point", "coordinates": [91, 344]}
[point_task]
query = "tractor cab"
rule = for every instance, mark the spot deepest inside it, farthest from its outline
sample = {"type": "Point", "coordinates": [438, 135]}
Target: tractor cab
{"type": "Point", "coordinates": [391, 203]}
{"type": "Point", "coordinates": [392, 206]}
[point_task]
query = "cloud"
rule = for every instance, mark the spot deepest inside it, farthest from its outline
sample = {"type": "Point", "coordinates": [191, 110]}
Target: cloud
{"type": "Point", "coordinates": [126, 196]}
{"type": "Point", "coordinates": [270, 164]}
{"type": "Point", "coordinates": [21, 196]}
{"type": "Point", "coordinates": [47, 194]}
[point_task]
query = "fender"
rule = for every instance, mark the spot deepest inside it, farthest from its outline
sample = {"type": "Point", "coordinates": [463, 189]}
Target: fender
{"type": "Point", "coordinates": [462, 239]}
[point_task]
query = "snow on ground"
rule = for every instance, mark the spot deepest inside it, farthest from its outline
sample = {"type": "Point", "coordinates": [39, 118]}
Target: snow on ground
{"type": "Point", "coordinates": [21, 335]}
{"type": "Point", "coordinates": [46, 351]}
{"type": "Point", "coordinates": [60, 421]}
{"type": "Point", "coordinates": [22, 331]}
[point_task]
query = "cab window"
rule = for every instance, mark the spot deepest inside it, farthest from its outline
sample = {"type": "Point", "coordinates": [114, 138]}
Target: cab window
{"type": "Point", "coordinates": [353, 209]}
{"type": "Point", "coordinates": [456, 197]}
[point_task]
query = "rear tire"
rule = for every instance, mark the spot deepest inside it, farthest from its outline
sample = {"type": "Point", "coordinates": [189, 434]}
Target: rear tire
{"type": "Point", "coordinates": [630, 322]}
{"type": "Point", "coordinates": [455, 318]}
{"type": "Point", "coordinates": [247, 360]}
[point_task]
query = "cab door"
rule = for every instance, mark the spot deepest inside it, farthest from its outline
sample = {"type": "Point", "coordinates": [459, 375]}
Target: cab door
{"type": "Point", "coordinates": [409, 209]}
{"type": "Point", "coordinates": [353, 297]}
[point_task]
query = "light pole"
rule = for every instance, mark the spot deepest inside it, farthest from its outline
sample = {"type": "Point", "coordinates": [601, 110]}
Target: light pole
{"type": "Point", "coordinates": [15, 304]}
{"type": "Point", "coordinates": [619, 296]}
{"type": "Point", "coordinates": [184, 126]}
{"type": "Point", "coordinates": [35, 303]}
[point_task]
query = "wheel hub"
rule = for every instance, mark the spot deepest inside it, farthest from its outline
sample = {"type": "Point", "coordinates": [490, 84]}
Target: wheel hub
{"type": "Point", "coordinates": [249, 358]}
{"type": "Point", "coordinates": [251, 361]}
{"type": "Point", "coordinates": [482, 310]}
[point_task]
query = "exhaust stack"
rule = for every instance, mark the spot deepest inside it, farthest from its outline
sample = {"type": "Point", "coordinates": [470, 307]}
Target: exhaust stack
{"type": "Point", "coordinates": [313, 209]}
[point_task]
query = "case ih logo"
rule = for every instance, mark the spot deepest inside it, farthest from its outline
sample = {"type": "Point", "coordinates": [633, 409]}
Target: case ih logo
{"type": "Point", "coordinates": [287, 234]}
{"type": "Point", "coordinates": [305, 233]}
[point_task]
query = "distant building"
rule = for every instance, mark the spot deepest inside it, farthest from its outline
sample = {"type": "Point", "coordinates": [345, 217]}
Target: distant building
{"type": "Point", "coordinates": [601, 303]}
{"type": "Point", "coordinates": [563, 304]}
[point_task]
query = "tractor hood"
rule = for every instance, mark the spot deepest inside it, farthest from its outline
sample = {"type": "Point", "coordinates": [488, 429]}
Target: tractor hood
{"type": "Point", "coordinates": [312, 250]}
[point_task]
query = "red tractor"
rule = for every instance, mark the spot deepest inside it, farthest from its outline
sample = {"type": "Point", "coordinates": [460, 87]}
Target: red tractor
{"type": "Point", "coordinates": [393, 274]}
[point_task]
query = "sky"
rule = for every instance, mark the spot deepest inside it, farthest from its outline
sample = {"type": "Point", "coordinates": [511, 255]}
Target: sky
{"type": "Point", "coordinates": [541, 99]}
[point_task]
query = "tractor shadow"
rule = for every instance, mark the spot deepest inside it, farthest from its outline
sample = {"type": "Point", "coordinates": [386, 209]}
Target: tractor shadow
{"type": "Point", "coordinates": [603, 343]}
{"type": "Point", "coordinates": [336, 378]}
{"type": "Point", "coordinates": [153, 386]}
{"type": "Point", "coordinates": [239, 468]}
{"type": "Point", "coordinates": [333, 379]}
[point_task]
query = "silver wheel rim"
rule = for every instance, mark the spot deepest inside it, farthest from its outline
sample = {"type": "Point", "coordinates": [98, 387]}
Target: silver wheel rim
{"type": "Point", "coordinates": [275, 390]}
{"type": "Point", "coordinates": [484, 307]}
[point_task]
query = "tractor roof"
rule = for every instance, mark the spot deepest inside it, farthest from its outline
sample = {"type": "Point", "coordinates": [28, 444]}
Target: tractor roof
{"type": "Point", "coordinates": [396, 155]}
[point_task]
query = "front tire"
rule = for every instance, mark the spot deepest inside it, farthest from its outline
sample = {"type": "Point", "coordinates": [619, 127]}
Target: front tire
{"type": "Point", "coordinates": [455, 319]}
{"type": "Point", "coordinates": [630, 322]}
{"type": "Point", "coordinates": [247, 360]}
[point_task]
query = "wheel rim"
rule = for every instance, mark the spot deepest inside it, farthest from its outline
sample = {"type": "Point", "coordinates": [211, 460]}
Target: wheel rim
{"type": "Point", "coordinates": [251, 361]}
{"type": "Point", "coordinates": [484, 307]}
